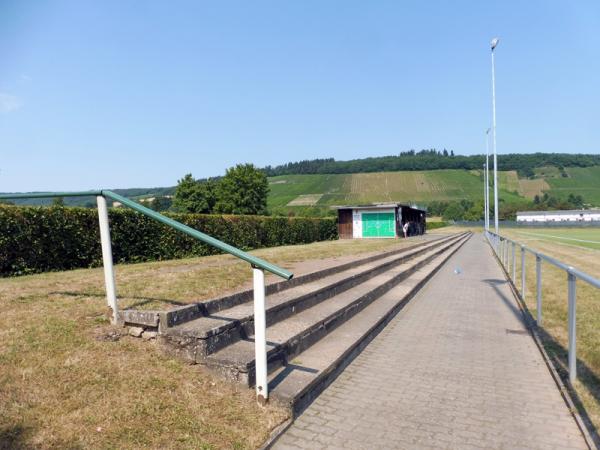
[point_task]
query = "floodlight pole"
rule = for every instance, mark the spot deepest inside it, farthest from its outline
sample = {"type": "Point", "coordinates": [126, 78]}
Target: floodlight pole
{"type": "Point", "coordinates": [484, 197]}
{"type": "Point", "coordinates": [493, 45]}
{"type": "Point", "coordinates": [487, 180]}
{"type": "Point", "coordinates": [107, 259]}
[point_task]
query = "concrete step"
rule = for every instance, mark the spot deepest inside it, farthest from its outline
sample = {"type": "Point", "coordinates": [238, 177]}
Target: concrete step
{"type": "Point", "coordinates": [179, 315]}
{"type": "Point", "coordinates": [302, 379]}
{"type": "Point", "coordinates": [194, 340]}
{"type": "Point", "coordinates": [289, 337]}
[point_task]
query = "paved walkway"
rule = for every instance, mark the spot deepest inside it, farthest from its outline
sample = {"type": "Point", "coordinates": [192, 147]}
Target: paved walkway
{"type": "Point", "coordinates": [455, 369]}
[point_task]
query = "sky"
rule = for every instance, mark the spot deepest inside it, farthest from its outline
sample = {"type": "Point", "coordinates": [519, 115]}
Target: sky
{"type": "Point", "coordinates": [119, 93]}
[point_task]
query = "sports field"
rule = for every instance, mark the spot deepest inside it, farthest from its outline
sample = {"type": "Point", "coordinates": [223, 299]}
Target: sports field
{"type": "Point", "coordinates": [573, 237]}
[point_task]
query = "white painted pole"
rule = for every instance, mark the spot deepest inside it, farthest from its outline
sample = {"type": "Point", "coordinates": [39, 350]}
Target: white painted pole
{"type": "Point", "coordinates": [107, 259]}
{"type": "Point", "coordinates": [494, 43]}
{"type": "Point", "coordinates": [514, 263]}
{"type": "Point", "coordinates": [538, 282]}
{"type": "Point", "coordinates": [484, 198]}
{"type": "Point", "coordinates": [572, 329]}
{"type": "Point", "coordinates": [487, 179]}
{"type": "Point", "coordinates": [260, 338]}
{"type": "Point", "coordinates": [523, 273]}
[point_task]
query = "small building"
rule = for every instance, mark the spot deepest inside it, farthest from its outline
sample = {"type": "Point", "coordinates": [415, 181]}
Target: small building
{"type": "Point", "coordinates": [582, 215]}
{"type": "Point", "coordinates": [382, 220]}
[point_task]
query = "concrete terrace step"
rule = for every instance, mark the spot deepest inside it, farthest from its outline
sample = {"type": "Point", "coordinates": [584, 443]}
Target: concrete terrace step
{"type": "Point", "coordinates": [182, 314]}
{"type": "Point", "coordinates": [197, 338]}
{"type": "Point", "coordinates": [301, 380]}
{"type": "Point", "coordinates": [298, 332]}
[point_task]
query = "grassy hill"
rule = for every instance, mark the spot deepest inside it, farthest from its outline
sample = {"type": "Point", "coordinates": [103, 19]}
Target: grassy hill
{"type": "Point", "coordinates": [313, 193]}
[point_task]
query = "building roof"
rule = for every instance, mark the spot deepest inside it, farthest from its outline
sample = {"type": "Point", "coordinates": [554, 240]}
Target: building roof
{"type": "Point", "coordinates": [376, 206]}
{"type": "Point", "coordinates": [558, 213]}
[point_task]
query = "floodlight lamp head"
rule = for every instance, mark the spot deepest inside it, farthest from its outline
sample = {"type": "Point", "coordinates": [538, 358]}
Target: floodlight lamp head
{"type": "Point", "coordinates": [494, 43]}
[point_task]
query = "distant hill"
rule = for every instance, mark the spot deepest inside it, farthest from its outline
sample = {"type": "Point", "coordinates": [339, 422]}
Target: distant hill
{"type": "Point", "coordinates": [432, 159]}
{"type": "Point", "coordinates": [313, 186]}
{"type": "Point", "coordinates": [314, 194]}
{"type": "Point", "coordinates": [134, 193]}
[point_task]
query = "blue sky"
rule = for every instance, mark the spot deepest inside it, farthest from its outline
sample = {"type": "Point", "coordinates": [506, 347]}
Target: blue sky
{"type": "Point", "coordinates": [97, 94]}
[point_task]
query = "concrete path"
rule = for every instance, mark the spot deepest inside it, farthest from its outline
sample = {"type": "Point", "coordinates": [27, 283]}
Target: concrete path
{"type": "Point", "coordinates": [455, 369]}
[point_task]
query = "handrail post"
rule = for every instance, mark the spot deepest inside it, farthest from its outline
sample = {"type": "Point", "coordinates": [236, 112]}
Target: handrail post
{"type": "Point", "coordinates": [107, 259]}
{"type": "Point", "coordinates": [514, 263]}
{"type": "Point", "coordinates": [538, 282]}
{"type": "Point", "coordinates": [523, 273]}
{"type": "Point", "coordinates": [572, 280]}
{"type": "Point", "coordinates": [260, 339]}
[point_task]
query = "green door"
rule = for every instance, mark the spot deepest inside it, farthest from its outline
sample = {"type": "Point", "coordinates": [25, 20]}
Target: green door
{"type": "Point", "coordinates": [378, 225]}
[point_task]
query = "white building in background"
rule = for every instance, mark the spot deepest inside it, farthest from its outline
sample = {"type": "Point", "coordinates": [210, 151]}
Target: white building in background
{"type": "Point", "coordinates": [587, 215]}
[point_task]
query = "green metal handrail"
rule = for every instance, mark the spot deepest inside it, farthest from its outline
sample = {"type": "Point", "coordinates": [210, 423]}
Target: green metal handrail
{"type": "Point", "coordinates": [253, 260]}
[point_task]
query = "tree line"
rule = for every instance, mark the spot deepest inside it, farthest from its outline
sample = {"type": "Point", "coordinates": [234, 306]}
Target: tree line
{"type": "Point", "coordinates": [432, 159]}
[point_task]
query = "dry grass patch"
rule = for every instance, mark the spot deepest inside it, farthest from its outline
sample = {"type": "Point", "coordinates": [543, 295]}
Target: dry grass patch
{"type": "Point", "coordinates": [65, 383]}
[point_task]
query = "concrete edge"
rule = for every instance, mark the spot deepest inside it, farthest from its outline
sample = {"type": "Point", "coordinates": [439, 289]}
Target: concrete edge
{"type": "Point", "coordinates": [532, 327]}
{"type": "Point", "coordinates": [278, 431]}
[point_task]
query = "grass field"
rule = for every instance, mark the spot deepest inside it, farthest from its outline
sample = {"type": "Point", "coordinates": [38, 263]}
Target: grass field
{"type": "Point", "coordinates": [581, 249]}
{"type": "Point", "coordinates": [67, 381]}
{"type": "Point", "coordinates": [572, 237]}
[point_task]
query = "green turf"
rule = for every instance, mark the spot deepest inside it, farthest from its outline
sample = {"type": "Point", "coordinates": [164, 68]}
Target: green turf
{"type": "Point", "coordinates": [578, 237]}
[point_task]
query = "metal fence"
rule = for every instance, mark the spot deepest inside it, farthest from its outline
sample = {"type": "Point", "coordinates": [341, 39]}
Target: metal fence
{"type": "Point", "coordinates": [506, 251]}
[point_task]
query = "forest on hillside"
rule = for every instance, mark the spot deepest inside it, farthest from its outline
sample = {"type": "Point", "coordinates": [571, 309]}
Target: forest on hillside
{"type": "Point", "coordinates": [432, 159]}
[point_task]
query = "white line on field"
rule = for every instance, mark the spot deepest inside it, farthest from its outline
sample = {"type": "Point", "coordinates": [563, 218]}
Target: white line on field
{"type": "Point", "coordinates": [560, 237]}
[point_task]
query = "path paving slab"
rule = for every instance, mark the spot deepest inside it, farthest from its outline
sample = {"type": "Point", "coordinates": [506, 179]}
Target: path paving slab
{"type": "Point", "coordinates": [456, 368]}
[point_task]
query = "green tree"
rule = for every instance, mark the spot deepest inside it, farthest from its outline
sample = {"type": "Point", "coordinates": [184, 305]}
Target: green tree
{"type": "Point", "coordinates": [193, 196]}
{"type": "Point", "coordinates": [58, 201]}
{"type": "Point", "coordinates": [160, 204]}
{"type": "Point", "coordinates": [243, 190]}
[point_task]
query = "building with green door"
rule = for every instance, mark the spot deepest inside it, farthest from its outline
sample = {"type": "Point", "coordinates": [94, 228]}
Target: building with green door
{"type": "Point", "coordinates": [383, 220]}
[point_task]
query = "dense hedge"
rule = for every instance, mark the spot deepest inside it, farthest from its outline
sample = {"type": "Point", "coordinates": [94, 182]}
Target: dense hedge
{"type": "Point", "coordinates": [433, 225]}
{"type": "Point", "coordinates": [39, 239]}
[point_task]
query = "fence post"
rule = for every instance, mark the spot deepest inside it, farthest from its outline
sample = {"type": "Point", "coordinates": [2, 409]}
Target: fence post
{"type": "Point", "coordinates": [523, 273]}
{"type": "Point", "coordinates": [107, 259]}
{"type": "Point", "coordinates": [260, 339]}
{"type": "Point", "coordinates": [538, 282]}
{"type": "Point", "coordinates": [572, 280]}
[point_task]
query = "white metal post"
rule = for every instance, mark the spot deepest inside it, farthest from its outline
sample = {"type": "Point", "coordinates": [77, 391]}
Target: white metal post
{"type": "Point", "coordinates": [538, 282]}
{"type": "Point", "coordinates": [484, 198]}
{"type": "Point", "coordinates": [523, 272]}
{"type": "Point", "coordinates": [487, 180]}
{"type": "Point", "coordinates": [572, 280]}
{"type": "Point", "coordinates": [107, 259]}
{"type": "Point", "coordinates": [494, 43]}
{"type": "Point", "coordinates": [514, 263]}
{"type": "Point", "coordinates": [260, 338]}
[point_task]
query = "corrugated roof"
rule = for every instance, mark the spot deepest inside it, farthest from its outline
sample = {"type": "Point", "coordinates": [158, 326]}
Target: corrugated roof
{"type": "Point", "coordinates": [376, 206]}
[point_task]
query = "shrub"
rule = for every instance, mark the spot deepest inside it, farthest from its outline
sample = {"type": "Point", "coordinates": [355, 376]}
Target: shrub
{"type": "Point", "coordinates": [41, 239]}
{"type": "Point", "coordinates": [433, 225]}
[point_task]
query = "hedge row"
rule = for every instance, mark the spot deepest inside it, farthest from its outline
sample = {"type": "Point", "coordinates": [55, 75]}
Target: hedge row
{"type": "Point", "coordinates": [38, 239]}
{"type": "Point", "coordinates": [433, 225]}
